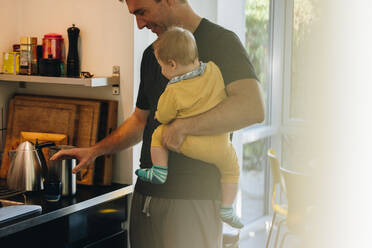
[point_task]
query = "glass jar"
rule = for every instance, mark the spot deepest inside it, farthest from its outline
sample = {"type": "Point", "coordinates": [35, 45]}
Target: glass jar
{"type": "Point", "coordinates": [28, 56]}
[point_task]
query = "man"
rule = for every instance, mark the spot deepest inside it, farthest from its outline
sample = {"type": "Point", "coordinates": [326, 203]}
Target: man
{"type": "Point", "coordinates": [183, 212]}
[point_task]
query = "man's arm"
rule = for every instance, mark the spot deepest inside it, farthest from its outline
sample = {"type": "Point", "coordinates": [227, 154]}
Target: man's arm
{"type": "Point", "coordinates": [243, 107]}
{"type": "Point", "coordinates": [128, 134]}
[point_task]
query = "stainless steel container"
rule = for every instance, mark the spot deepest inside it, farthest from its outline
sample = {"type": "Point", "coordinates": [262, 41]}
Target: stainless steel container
{"type": "Point", "coordinates": [61, 170]}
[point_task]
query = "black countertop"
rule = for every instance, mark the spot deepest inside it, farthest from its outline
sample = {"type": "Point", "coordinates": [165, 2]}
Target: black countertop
{"type": "Point", "coordinates": [86, 196]}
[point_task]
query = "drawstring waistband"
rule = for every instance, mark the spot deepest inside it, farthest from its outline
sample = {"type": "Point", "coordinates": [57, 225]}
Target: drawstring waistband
{"type": "Point", "coordinates": [146, 206]}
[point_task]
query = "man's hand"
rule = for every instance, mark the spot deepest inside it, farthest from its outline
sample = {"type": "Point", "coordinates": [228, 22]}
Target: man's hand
{"type": "Point", "coordinates": [85, 156]}
{"type": "Point", "coordinates": [128, 134]}
{"type": "Point", "coordinates": [173, 135]}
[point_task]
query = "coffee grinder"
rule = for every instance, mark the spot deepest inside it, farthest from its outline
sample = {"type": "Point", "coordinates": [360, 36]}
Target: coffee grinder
{"type": "Point", "coordinates": [73, 65]}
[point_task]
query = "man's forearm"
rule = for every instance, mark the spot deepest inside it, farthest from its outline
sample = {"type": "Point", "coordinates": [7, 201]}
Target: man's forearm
{"type": "Point", "coordinates": [243, 107]}
{"type": "Point", "coordinates": [127, 135]}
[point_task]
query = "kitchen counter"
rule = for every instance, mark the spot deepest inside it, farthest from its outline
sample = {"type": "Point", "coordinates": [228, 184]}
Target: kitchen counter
{"type": "Point", "coordinates": [72, 217]}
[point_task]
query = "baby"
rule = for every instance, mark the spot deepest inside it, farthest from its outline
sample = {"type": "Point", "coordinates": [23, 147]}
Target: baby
{"type": "Point", "coordinates": [194, 88]}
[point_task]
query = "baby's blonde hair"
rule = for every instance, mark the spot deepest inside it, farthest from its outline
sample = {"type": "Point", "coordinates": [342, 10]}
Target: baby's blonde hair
{"type": "Point", "coordinates": [177, 44]}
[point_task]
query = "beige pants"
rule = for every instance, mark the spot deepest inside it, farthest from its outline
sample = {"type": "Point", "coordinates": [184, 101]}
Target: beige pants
{"type": "Point", "coordinates": [216, 150]}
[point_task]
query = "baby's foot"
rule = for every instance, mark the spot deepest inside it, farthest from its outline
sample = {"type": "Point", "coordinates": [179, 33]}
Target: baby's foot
{"type": "Point", "coordinates": [157, 174]}
{"type": "Point", "coordinates": [228, 216]}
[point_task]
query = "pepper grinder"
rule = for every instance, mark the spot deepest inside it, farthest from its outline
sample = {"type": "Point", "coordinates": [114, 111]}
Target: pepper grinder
{"type": "Point", "coordinates": [73, 66]}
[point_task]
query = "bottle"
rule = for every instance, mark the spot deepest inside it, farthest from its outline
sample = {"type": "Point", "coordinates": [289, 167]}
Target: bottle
{"type": "Point", "coordinates": [28, 56]}
{"type": "Point", "coordinates": [73, 65]}
{"type": "Point", "coordinates": [11, 63]}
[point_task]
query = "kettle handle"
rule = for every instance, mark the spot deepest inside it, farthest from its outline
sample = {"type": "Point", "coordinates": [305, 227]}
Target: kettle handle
{"type": "Point", "coordinates": [44, 167]}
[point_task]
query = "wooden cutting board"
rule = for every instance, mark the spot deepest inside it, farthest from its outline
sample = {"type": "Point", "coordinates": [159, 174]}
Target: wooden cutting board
{"type": "Point", "coordinates": [96, 119]}
{"type": "Point", "coordinates": [107, 124]}
{"type": "Point", "coordinates": [111, 125]}
{"type": "Point", "coordinates": [100, 173]}
{"type": "Point", "coordinates": [33, 116]}
{"type": "Point", "coordinates": [86, 128]}
{"type": "Point", "coordinates": [60, 139]}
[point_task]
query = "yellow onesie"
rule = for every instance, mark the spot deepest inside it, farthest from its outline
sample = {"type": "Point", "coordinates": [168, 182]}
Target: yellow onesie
{"type": "Point", "coordinates": [192, 96]}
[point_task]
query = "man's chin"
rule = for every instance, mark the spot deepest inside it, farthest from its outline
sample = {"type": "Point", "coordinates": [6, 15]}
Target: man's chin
{"type": "Point", "coordinates": [158, 31]}
{"type": "Point", "coordinates": [155, 32]}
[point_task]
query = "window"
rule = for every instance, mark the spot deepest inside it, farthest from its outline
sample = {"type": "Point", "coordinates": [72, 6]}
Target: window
{"type": "Point", "coordinates": [274, 38]}
{"type": "Point", "coordinates": [299, 18]}
{"type": "Point", "coordinates": [257, 40]}
{"type": "Point", "coordinates": [253, 178]}
{"type": "Point", "coordinates": [256, 139]}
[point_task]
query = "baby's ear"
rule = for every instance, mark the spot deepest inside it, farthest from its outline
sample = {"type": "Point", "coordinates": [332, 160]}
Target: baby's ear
{"type": "Point", "coordinates": [172, 63]}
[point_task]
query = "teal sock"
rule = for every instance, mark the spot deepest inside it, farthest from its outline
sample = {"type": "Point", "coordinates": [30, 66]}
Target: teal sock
{"type": "Point", "coordinates": [228, 216]}
{"type": "Point", "coordinates": [157, 174]}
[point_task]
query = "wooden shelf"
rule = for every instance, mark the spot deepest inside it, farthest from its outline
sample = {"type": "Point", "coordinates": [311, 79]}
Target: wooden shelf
{"type": "Point", "coordinates": [88, 82]}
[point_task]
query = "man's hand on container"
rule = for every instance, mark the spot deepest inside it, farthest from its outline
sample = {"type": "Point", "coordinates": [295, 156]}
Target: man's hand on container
{"type": "Point", "coordinates": [85, 157]}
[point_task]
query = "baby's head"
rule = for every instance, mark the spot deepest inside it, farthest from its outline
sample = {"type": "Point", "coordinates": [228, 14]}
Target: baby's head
{"type": "Point", "coordinates": [176, 52]}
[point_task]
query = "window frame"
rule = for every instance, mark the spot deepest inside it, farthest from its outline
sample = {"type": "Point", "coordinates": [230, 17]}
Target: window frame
{"type": "Point", "coordinates": [288, 120]}
{"type": "Point", "coordinates": [272, 128]}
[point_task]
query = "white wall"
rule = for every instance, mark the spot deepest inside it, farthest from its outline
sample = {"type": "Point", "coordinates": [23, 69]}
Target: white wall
{"type": "Point", "coordinates": [7, 38]}
{"type": "Point", "coordinates": [106, 39]}
{"type": "Point", "coordinates": [231, 15]}
{"type": "Point", "coordinates": [205, 8]}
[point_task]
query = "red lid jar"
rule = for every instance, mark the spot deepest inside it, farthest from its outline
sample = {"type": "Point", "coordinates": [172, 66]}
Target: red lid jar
{"type": "Point", "coordinates": [52, 45]}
